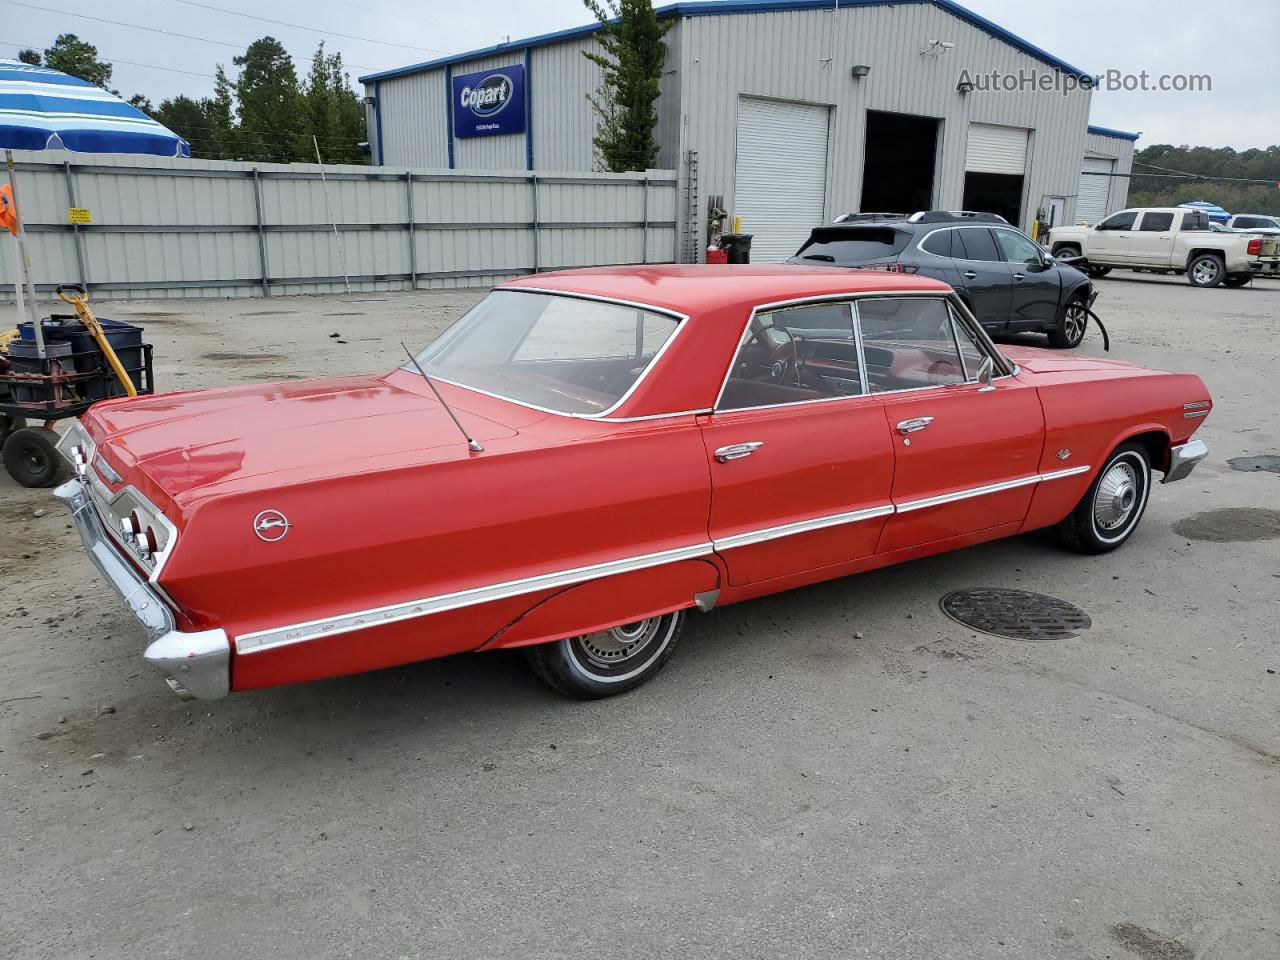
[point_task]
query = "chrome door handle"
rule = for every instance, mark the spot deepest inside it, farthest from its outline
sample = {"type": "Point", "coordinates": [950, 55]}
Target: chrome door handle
{"type": "Point", "coordinates": [970, 275]}
{"type": "Point", "coordinates": [1018, 276]}
{"type": "Point", "coordinates": [736, 451]}
{"type": "Point", "coordinates": [914, 424]}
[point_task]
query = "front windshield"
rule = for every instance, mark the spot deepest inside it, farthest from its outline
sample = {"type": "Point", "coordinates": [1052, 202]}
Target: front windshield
{"type": "Point", "coordinates": [560, 353]}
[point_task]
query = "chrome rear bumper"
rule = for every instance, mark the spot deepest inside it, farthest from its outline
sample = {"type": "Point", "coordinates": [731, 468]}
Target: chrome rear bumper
{"type": "Point", "coordinates": [197, 664]}
{"type": "Point", "coordinates": [1183, 459]}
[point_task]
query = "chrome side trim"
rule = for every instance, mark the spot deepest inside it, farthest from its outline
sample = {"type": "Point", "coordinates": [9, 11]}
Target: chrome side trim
{"type": "Point", "coordinates": [332, 626]}
{"type": "Point", "coordinates": [1001, 487]}
{"type": "Point", "coordinates": [258, 641]}
{"type": "Point", "coordinates": [803, 526]}
{"type": "Point", "coordinates": [1195, 414]}
{"type": "Point", "coordinates": [1198, 405]}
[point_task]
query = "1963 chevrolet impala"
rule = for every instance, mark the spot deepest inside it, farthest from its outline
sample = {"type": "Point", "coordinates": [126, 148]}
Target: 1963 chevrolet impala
{"type": "Point", "coordinates": [586, 456]}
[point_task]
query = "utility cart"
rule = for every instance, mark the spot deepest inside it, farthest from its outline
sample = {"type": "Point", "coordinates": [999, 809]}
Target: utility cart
{"type": "Point", "coordinates": [85, 360]}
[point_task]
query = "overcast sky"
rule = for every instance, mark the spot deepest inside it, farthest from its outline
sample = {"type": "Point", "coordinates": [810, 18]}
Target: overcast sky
{"type": "Point", "coordinates": [1237, 43]}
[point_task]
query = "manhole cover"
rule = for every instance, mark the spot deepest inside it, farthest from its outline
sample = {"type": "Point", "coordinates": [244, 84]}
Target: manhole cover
{"type": "Point", "coordinates": [1016, 614]}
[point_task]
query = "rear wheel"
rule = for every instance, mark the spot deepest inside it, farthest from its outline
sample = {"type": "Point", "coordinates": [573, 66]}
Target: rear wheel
{"type": "Point", "coordinates": [1206, 270]}
{"type": "Point", "coordinates": [1113, 505]}
{"type": "Point", "coordinates": [1237, 279]}
{"type": "Point", "coordinates": [1072, 320]}
{"type": "Point", "coordinates": [31, 457]}
{"type": "Point", "coordinates": [1096, 272]}
{"type": "Point", "coordinates": [609, 661]}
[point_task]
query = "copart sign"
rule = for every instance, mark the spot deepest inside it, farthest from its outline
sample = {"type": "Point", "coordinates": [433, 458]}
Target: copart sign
{"type": "Point", "coordinates": [488, 103]}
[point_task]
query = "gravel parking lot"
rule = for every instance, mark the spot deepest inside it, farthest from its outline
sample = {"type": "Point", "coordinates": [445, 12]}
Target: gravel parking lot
{"type": "Point", "coordinates": [836, 772]}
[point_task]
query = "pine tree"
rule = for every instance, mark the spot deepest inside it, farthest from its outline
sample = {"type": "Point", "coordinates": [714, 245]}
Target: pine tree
{"type": "Point", "coordinates": [271, 122]}
{"type": "Point", "coordinates": [632, 60]}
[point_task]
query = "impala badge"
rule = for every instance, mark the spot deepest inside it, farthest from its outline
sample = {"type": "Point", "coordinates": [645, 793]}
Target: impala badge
{"type": "Point", "coordinates": [271, 525]}
{"type": "Point", "coordinates": [1064, 453]}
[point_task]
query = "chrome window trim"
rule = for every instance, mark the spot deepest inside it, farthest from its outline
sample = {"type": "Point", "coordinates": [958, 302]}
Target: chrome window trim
{"type": "Point", "coordinates": [682, 320]}
{"type": "Point", "coordinates": [261, 640]}
{"type": "Point", "coordinates": [852, 299]}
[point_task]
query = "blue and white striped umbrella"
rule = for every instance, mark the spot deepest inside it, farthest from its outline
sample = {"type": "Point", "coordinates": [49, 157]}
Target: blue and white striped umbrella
{"type": "Point", "coordinates": [1214, 211]}
{"type": "Point", "coordinates": [42, 109]}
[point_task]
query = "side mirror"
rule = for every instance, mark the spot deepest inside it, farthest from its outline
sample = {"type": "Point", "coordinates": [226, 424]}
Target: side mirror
{"type": "Point", "coordinates": [985, 373]}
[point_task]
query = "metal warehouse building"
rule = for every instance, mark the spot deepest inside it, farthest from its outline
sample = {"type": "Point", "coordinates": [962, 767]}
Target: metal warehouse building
{"type": "Point", "coordinates": [793, 111]}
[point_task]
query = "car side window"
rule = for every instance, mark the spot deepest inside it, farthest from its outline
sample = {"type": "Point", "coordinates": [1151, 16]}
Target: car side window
{"type": "Point", "coordinates": [976, 244]}
{"type": "Point", "coordinates": [939, 243]}
{"type": "Point", "coordinates": [908, 343]}
{"type": "Point", "coordinates": [793, 355]}
{"type": "Point", "coordinates": [1155, 222]}
{"type": "Point", "coordinates": [1017, 248]}
{"type": "Point", "coordinates": [1121, 221]}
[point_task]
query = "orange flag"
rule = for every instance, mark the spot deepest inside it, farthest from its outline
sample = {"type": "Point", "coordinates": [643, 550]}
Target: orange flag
{"type": "Point", "coordinates": [8, 212]}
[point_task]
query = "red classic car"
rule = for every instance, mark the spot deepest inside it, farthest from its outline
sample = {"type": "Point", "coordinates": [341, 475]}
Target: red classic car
{"type": "Point", "coordinates": [586, 456]}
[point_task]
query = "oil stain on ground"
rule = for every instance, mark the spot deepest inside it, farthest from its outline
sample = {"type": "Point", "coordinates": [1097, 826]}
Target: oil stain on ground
{"type": "Point", "coordinates": [1148, 944]}
{"type": "Point", "coordinates": [1231, 525]}
{"type": "Point", "coordinates": [243, 357]}
{"type": "Point", "coordinates": [1269, 462]}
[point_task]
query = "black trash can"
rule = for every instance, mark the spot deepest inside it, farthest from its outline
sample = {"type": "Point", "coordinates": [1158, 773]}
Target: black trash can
{"type": "Point", "coordinates": [23, 358]}
{"type": "Point", "coordinates": [738, 245]}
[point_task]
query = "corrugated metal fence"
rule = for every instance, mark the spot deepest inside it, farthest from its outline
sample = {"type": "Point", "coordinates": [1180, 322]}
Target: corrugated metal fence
{"type": "Point", "coordinates": [191, 228]}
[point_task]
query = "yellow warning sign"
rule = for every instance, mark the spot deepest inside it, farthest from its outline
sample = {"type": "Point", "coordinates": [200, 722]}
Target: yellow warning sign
{"type": "Point", "coordinates": [80, 215]}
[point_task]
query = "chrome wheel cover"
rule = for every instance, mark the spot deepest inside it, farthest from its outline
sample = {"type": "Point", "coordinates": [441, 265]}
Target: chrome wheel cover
{"type": "Point", "coordinates": [1073, 323]}
{"type": "Point", "coordinates": [614, 647]}
{"type": "Point", "coordinates": [1118, 495]}
{"type": "Point", "coordinates": [1205, 271]}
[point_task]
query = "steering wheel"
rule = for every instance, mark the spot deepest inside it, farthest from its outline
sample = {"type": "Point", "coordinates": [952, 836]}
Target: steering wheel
{"type": "Point", "coordinates": [773, 359]}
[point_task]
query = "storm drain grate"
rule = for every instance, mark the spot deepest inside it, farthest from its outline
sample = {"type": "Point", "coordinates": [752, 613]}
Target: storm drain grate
{"type": "Point", "coordinates": [1016, 614]}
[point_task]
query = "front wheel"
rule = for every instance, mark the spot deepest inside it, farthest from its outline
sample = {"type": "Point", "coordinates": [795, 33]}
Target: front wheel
{"type": "Point", "coordinates": [1071, 325]}
{"type": "Point", "coordinates": [1206, 270]}
{"type": "Point", "coordinates": [1109, 511]}
{"type": "Point", "coordinates": [610, 661]}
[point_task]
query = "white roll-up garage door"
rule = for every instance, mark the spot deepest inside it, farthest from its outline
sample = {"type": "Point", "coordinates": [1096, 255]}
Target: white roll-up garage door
{"type": "Point", "coordinates": [780, 183]}
{"type": "Point", "coordinates": [1091, 204]}
{"type": "Point", "coordinates": [996, 149]}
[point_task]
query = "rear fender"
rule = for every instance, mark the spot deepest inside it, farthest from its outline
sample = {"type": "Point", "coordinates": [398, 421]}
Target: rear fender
{"type": "Point", "coordinates": [601, 604]}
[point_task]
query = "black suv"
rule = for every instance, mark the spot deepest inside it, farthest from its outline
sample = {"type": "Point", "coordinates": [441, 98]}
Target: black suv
{"type": "Point", "coordinates": [1005, 278]}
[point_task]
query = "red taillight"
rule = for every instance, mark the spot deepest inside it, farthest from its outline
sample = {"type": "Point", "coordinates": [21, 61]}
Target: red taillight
{"type": "Point", "coordinates": [148, 543]}
{"type": "Point", "coordinates": [1255, 247]}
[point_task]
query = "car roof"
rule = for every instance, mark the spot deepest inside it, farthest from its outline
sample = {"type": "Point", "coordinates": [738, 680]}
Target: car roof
{"type": "Point", "coordinates": [697, 288]}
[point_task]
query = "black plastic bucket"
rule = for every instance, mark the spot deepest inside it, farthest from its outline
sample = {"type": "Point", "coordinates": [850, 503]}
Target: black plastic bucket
{"type": "Point", "coordinates": [23, 358]}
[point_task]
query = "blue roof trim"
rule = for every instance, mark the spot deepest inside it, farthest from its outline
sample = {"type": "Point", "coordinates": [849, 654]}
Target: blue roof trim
{"type": "Point", "coordinates": [1118, 134]}
{"type": "Point", "coordinates": [716, 8]}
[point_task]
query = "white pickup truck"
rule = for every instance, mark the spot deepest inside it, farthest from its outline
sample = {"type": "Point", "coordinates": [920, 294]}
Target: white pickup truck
{"type": "Point", "coordinates": [1167, 238]}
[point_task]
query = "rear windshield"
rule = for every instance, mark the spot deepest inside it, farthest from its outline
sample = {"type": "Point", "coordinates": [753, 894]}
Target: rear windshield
{"type": "Point", "coordinates": [558, 353]}
{"type": "Point", "coordinates": [850, 246]}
